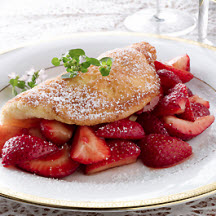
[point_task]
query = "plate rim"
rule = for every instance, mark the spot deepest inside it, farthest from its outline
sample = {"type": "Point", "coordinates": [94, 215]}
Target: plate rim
{"type": "Point", "coordinates": [114, 205]}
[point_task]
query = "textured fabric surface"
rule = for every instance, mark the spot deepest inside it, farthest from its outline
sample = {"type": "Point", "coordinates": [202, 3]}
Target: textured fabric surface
{"type": "Point", "coordinates": [27, 21]}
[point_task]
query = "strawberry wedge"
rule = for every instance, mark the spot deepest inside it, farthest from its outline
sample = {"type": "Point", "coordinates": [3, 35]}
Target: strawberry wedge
{"type": "Point", "coordinates": [24, 148]}
{"type": "Point", "coordinates": [56, 132]}
{"type": "Point", "coordinates": [7, 132]}
{"type": "Point", "coordinates": [151, 124]}
{"type": "Point", "coordinates": [122, 129]}
{"type": "Point", "coordinates": [122, 152]}
{"type": "Point", "coordinates": [174, 102]}
{"type": "Point", "coordinates": [88, 148]}
{"type": "Point", "coordinates": [184, 129]}
{"type": "Point", "coordinates": [168, 79]}
{"type": "Point", "coordinates": [55, 165]}
{"type": "Point", "coordinates": [161, 151]}
{"type": "Point", "coordinates": [180, 62]}
{"type": "Point", "coordinates": [184, 75]}
{"type": "Point", "coordinates": [197, 99]}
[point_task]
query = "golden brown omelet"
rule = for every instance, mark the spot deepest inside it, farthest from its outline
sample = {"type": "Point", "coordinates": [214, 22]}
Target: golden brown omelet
{"type": "Point", "coordinates": [90, 98]}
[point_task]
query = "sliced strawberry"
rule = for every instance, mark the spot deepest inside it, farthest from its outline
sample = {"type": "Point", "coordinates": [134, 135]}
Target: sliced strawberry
{"type": "Point", "coordinates": [188, 114]}
{"type": "Point", "coordinates": [36, 132]}
{"type": "Point", "coordinates": [23, 123]}
{"type": "Point", "coordinates": [180, 62]}
{"type": "Point", "coordinates": [87, 148]}
{"type": "Point", "coordinates": [122, 152]}
{"type": "Point", "coordinates": [160, 151]}
{"type": "Point", "coordinates": [184, 129]}
{"type": "Point", "coordinates": [197, 99]}
{"type": "Point", "coordinates": [24, 148]}
{"type": "Point", "coordinates": [168, 79]}
{"type": "Point", "coordinates": [200, 110]}
{"type": "Point", "coordinates": [184, 75]}
{"type": "Point", "coordinates": [122, 129]}
{"type": "Point", "coordinates": [151, 124]}
{"type": "Point", "coordinates": [194, 111]}
{"type": "Point", "coordinates": [55, 165]}
{"type": "Point", "coordinates": [190, 93]}
{"type": "Point", "coordinates": [174, 102]}
{"type": "Point", "coordinates": [56, 132]}
{"type": "Point", "coordinates": [7, 132]}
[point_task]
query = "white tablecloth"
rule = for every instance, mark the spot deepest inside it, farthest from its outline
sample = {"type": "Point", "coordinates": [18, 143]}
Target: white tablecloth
{"type": "Point", "coordinates": [27, 21]}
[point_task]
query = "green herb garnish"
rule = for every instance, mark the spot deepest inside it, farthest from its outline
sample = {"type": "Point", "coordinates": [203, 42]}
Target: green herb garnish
{"type": "Point", "coordinates": [28, 81]}
{"type": "Point", "coordinates": [76, 60]}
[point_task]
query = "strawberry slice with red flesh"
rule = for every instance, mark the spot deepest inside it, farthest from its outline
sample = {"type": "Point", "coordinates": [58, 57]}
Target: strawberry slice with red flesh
{"type": "Point", "coordinates": [184, 75]}
{"type": "Point", "coordinates": [200, 110]}
{"type": "Point", "coordinates": [197, 99]}
{"type": "Point", "coordinates": [184, 129]}
{"type": "Point", "coordinates": [151, 124]}
{"type": "Point", "coordinates": [55, 165]}
{"type": "Point", "coordinates": [180, 62]}
{"type": "Point", "coordinates": [56, 132]}
{"type": "Point", "coordinates": [36, 132]}
{"type": "Point", "coordinates": [190, 93]}
{"type": "Point", "coordinates": [88, 148]}
{"type": "Point", "coordinates": [122, 129]}
{"type": "Point", "coordinates": [174, 102]}
{"type": "Point", "coordinates": [23, 148]}
{"type": "Point", "coordinates": [7, 132]}
{"type": "Point", "coordinates": [194, 111]}
{"type": "Point", "coordinates": [168, 79]}
{"type": "Point", "coordinates": [188, 114]}
{"type": "Point", "coordinates": [161, 151]}
{"type": "Point", "coordinates": [122, 152]}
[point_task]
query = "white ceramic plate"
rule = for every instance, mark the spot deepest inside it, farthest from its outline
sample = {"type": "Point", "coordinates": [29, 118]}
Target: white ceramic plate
{"type": "Point", "coordinates": [127, 187]}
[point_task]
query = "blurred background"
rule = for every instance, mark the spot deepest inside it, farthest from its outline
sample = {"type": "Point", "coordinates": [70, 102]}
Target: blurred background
{"type": "Point", "coordinates": [30, 20]}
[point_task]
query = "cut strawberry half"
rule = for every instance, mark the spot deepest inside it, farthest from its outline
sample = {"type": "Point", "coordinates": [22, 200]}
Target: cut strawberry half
{"type": "Point", "coordinates": [122, 152]}
{"type": "Point", "coordinates": [151, 124]}
{"type": "Point", "coordinates": [190, 93]}
{"type": "Point", "coordinates": [200, 110]}
{"type": "Point", "coordinates": [88, 148]}
{"type": "Point", "coordinates": [161, 151]}
{"type": "Point", "coordinates": [184, 129]}
{"type": "Point", "coordinates": [23, 123]}
{"type": "Point", "coordinates": [197, 99]}
{"type": "Point", "coordinates": [23, 148]}
{"type": "Point", "coordinates": [184, 75]}
{"type": "Point", "coordinates": [174, 102]}
{"type": "Point", "coordinates": [36, 132]}
{"type": "Point", "coordinates": [122, 129]}
{"type": "Point", "coordinates": [7, 132]}
{"type": "Point", "coordinates": [180, 62]}
{"type": "Point", "coordinates": [168, 79]}
{"type": "Point", "coordinates": [194, 111]}
{"type": "Point", "coordinates": [188, 114]}
{"type": "Point", "coordinates": [55, 165]}
{"type": "Point", "coordinates": [56, 132]}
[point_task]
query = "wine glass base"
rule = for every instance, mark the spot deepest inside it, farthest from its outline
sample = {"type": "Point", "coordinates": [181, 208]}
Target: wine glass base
{"type": "Point", "coordinates": [171, 22]}
{"type": "Point", "coordinates": [209, 40]}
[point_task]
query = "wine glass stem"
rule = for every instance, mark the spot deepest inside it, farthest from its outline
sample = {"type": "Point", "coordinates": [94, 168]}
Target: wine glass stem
{"type": "Point", "coordinates": [203, 20]}
{"type": "Point", "coordinates": [157, 16]}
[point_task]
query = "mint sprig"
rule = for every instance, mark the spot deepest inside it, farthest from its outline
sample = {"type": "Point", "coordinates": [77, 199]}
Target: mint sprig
{"type": "Point", "coordinates": [19, 83]}
{"type": "Point", "coordinates": [76, 60]}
